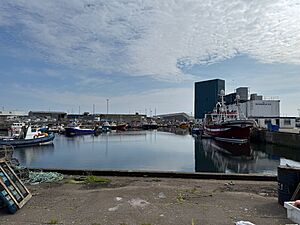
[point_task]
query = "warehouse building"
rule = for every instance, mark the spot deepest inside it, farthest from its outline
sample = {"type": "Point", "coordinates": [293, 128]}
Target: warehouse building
{"type": "Point", "coordinates": [57, 116]}
{"type": "Point", "coordinates": [258, 108]}
{"type": "Point", "coordinates": [175, 117]}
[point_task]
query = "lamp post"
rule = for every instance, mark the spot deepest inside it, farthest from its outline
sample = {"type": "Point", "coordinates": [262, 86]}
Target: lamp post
{"type": "Point", "coordinates": [107, 100]}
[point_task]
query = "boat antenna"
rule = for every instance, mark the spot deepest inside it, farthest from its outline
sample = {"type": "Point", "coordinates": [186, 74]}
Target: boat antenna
{"type": "Point", "coordinates": [237, 98]}
{"type": "Point", "coordinates": [223, 107]}
{"type": "Point", "coordinates": [222, 93]}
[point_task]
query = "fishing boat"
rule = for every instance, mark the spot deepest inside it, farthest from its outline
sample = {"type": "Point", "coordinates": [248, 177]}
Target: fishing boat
{"type": "Point", "coordinates": [74, 129]}
{"type": "Point", "coordinates": [122, 126]}
{"type": "Point", "coordinates": [106, 127]}
{"type": "Point", "coordinates": [184, 125]}
{"type": "Point", "coordinates": [150, 125]}
{"type": "Point", "coordinates": [28, 137]}
{"type": "Point", "coordinates": [227, 126]}
{"type": "Point", "coordinates": [113, 126]}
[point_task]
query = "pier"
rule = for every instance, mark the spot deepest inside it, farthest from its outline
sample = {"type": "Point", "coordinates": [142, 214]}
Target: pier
{"type": "Point", "coordinates": [286, 139]}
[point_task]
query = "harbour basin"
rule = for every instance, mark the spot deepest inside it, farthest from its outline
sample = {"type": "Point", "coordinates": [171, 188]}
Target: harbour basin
{"type": "Point", "coordinates": [153, 150]}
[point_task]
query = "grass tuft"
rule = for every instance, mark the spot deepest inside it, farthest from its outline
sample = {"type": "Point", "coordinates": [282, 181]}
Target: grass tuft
{"type": "Point", "coordinates": [53, 221]}
{"type": "Point", "coordinates": [95, 179]}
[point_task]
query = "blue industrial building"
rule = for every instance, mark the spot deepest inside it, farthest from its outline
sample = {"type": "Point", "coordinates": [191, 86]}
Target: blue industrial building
{"type": "Point", "coordinates": [206, 96]}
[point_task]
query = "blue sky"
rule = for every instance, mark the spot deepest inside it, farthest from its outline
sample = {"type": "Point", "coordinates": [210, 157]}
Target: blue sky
{"type": "Point", "coordinates": [142, 55]}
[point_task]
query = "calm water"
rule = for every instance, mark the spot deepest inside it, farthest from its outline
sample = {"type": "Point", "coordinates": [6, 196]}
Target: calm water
{"type": "Point", "coordinates": [154, 150]}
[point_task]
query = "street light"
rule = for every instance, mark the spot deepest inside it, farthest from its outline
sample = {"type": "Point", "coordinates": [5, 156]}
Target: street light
{"type": "Point", "coordinates": [107, 100]}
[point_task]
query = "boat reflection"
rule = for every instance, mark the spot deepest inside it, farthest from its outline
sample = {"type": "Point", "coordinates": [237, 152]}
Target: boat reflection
{"type": "Point", "coordinates": [231, 149]}
{"type": "Point", "coordinates": [28, 155]}
{"type": "Point", "coordinates": [214, 156]}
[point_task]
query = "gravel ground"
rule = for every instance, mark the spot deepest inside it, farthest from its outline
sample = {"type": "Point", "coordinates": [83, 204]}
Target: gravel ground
{"type": "Point", "coordinates": [151, 201]}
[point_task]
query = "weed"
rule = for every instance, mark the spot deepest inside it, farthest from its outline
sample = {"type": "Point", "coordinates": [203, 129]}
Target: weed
{"type": "Point", "coordinates": [193, 222]}
{"type": "Point", "coordinates": [53, 221]}
{"type": "Point", "coordinates": [180, 198]}
{"type": "Point", "coordinates": [194, 190]}
{"type": "Point", "coordinates": [95, 179]}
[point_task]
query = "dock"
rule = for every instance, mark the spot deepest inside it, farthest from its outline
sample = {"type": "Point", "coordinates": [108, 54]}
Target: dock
{"type": "Point", "coordinates": [287, 139]}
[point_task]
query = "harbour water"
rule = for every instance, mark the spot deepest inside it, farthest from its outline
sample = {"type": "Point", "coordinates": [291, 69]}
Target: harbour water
{"type": "Point", "coordinates": [154, 151]}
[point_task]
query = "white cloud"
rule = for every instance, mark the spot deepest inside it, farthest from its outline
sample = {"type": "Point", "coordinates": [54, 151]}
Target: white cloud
{"type": "Point", "coordinates": [156, 38]}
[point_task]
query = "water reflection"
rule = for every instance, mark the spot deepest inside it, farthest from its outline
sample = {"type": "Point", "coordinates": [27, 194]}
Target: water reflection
{"type": "Point", "coordinates": [30, 154]}
{"type": "Point", "coordinates": [154, 150]}
{"type": "Point", "coordinates": [174, 130]}
{"type": "Point", "coordinates": [213, 156]}
{"type": "Point", "coordinates": [131, 150]}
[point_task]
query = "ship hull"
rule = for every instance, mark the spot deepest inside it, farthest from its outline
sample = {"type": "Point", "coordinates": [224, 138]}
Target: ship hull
{"type": "Point", "coordinates": [70, 131]}
{"type": "Point", "coordinates": [149, 126]}
{"type": "Point", "coordinates": [122, 127]}
{"type": "Point", "coordinates": [28, 142]}
{"type": "Point", "coordinates": [237, 131]}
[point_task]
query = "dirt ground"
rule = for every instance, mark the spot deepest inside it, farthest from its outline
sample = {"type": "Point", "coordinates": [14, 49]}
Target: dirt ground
{"type": "Point", "coordinates": [151, 201]}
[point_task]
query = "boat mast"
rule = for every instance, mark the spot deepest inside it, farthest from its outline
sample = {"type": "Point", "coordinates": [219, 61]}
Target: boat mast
{"type": "Point", "coordinates": [223, 106]}
{"type": "Point", "coordinates": [237, 107]}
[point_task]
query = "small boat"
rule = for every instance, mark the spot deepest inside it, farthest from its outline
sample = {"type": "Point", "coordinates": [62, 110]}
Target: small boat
{"type": "Point", "coordinates": [196, 131]}
{"type": "Point", "coordinates": [122, 126]}
{"type": "Point", "coordinates": [227, 126]}
{"type": "Point", "coordinates": [106, 127]}
{"type": "Point", "coordinates": [74, 129]}
{"type": "Point", "coordinates": [29, 137]}
{"type": "Point", "coordinates": [113, 126]}
{"type": "Point", "coordinates": [150, 126]}
{"type": "Point", "coordinates": [184, 125]}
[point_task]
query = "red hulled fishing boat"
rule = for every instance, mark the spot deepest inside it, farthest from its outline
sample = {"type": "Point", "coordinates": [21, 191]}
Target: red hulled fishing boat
{"type": "Point", "coordinates": [227, 126]}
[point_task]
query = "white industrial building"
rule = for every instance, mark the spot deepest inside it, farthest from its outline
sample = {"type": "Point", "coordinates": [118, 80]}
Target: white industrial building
{"type": "Point", "coordinates": [261, 110]}
{"type": "Point", "coordinates": [282, 122]}
{"type": "Point", "coordinates": [258, 108]}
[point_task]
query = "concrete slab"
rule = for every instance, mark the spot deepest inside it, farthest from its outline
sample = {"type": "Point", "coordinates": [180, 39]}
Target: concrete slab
{"type": "Point", "coordinates": [151, 201]}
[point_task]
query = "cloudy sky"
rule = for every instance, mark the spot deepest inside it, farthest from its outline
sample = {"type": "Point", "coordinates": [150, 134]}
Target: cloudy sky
{"type": "Point", "coordinates": [142, 55]}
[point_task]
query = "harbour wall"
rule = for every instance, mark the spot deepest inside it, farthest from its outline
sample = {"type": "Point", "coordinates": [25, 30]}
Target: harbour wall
{"type": "Point", "coordinates": [161, 174]}
{"type": "Point", "coordinates": [278, 138]}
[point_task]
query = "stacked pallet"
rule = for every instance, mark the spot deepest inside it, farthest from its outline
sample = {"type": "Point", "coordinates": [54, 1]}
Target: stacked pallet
{"type": "Point", "coordinates": [13, 193]}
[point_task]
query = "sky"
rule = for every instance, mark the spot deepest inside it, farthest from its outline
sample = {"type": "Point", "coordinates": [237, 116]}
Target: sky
{"type": "Point", "coordinates": [145, 56]}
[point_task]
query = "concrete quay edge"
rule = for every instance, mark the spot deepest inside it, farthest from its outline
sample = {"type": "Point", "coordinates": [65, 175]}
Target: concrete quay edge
{"type": "Point", "coordinates": [161, 174]}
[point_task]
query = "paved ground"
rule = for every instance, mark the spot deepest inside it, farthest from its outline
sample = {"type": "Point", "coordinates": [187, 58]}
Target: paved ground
{"type": "Point", "coordinates": [150, 201]}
